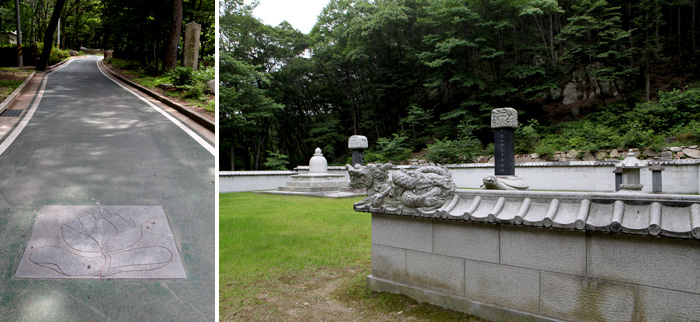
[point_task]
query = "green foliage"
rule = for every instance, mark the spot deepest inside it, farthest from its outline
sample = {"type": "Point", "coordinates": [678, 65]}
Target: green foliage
{"type": "Point", "coordinates": [276, 161]}
{"type": "Point", "coordinates": [391, 149]}
{"type": "Point", "coordinates": [124, 63]}
{"type": "Point", "coordinates": [421, 69]}
{"type": "Point", "coordinates": [203, 75]}
{"type": "Point", "coordinates": [194, 91]}
{"type": "Point", "coordinates": [454, 151]}
{"type": "Point", "coordinates": [526, 138]}
{"type": "Point", "coordinates": [182, 76]}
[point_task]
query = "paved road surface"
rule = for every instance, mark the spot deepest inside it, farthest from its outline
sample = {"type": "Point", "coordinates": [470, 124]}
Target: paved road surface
{"type": "Point", "coordinates": [90, 142]}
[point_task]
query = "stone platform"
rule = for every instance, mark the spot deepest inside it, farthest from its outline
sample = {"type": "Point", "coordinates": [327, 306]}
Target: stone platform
{"type": "Point", "coordinates": [315, 182]}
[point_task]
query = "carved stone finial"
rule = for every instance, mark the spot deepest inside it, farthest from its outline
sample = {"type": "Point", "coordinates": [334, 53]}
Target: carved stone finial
{"type": "Point", "coordinates": [358, 142]}
{"type": "Point", "coordinates": [504, 117]}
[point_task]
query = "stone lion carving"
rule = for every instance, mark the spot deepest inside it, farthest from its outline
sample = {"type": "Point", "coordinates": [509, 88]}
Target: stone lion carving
{"type": "Point", "coordinates": [426, 188]}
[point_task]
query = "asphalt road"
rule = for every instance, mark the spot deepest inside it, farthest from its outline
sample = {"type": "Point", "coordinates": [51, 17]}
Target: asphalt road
{"type": "Point", "coordinates": [91, 142]}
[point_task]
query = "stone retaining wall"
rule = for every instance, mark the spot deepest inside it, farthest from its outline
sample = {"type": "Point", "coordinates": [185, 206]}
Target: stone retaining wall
{"type": "Point", "coordinates": [613, 266]}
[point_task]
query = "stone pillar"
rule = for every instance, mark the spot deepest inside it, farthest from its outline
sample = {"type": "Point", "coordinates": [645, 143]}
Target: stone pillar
{"type": "Point", "coordinates": [656, 183]}
{"type": "Point", "coordinates": [191, 52]}
{"type": "Point", "coordinates": [504, 121]}
{"type": "Point", "coordinates": [358, 143]}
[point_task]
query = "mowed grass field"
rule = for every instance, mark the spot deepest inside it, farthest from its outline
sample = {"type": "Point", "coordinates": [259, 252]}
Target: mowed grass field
{"type": "Point", "coordinates": [296, 258]}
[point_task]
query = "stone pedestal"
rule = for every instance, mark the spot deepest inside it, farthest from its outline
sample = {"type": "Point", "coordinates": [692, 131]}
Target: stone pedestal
{"type": "Point", "coordinates": [191, 52]}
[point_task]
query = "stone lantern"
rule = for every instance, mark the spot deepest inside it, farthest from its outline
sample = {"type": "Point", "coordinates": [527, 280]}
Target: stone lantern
{"type": "Point", "coordinates": [630, 167]}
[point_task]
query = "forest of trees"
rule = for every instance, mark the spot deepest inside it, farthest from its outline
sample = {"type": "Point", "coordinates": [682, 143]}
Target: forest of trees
{"type": "Point", "coordinates": [135, 29]}
{"type": "Point", "coordinates": [417, 75]}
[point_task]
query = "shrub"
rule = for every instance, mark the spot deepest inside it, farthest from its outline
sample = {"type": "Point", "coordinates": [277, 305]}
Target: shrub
{"type": "Point", "coordinates": [395, 149]}
{"type": "Point", "coordinates": [195, 91]}
{"type": "Point", "coordinates": [453, 151]}
{"type": "Point", "coordinates": [124, 63]}
{"type": "Point", "coordinates": [204, 75]}
{"type": "Point", "coordinates": [526, 138]}
{"type": "Point", "coordinates": [277, 161]}
{"type": "Point", "coordinates": [182, 76]}
{"type": "Point", "coordinates": [637, 136]}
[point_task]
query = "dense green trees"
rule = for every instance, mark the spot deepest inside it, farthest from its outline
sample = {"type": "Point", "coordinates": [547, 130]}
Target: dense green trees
{"type": "Point", "coordinates": [135, 29]}
{"type": "Point", "coordinates": [425, 74]}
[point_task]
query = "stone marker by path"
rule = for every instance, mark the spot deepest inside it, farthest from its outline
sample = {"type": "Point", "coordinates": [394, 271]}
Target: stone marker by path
{"type": "Point", "coordinates": [504, 121]}
{"type": "Point", "coordinates": [191, 51]}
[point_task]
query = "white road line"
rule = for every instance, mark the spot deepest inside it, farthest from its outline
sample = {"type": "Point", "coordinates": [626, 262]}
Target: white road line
{"type": "Point", "coordinates": [187, 130]}
{"type": "Point", "coordinates": [11, 138]}
{"type": "Point", "coordinates": [15, 133]}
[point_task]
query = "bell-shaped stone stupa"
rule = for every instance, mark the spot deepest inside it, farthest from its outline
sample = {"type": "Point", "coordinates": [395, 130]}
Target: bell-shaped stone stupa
{"type": "Point", "coordinates": [318, 178]}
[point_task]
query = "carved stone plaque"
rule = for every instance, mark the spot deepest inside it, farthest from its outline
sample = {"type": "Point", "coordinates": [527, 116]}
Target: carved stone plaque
{"type": "Point", "coordinates": [504, 117]}
{"type": "Point", "coordinates": [101, 242]}
{"type": "Point", "coordinates": [357, 142]}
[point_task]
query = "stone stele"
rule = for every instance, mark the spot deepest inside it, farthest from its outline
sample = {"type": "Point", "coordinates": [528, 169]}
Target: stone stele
{"type": "Point", "coordinates": [191, 52]}
{"type": "Point", "coordinates": [504, 117]}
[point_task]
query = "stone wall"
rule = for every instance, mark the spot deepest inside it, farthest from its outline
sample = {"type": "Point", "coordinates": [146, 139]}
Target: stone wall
{"type": "Point", "coordinates": [237, 181]}
{"type": "Point", "coordinates": [680, 176]}
{"type": "Point", "coordinates": [503, 269]}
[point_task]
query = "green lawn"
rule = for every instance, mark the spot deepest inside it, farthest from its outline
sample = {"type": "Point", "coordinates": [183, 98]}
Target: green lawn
{"type": "Point", "coordinates": [278, 254]}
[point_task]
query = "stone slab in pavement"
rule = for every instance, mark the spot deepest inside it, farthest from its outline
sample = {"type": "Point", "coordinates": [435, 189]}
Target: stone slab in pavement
{"type": "Point", "coordinates": [101, 242]}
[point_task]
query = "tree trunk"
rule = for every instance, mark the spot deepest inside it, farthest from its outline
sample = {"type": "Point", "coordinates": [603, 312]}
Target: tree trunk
{"type": "Point", "coordinates": [551, 39]}
{"type": "Point", "coordinates": [48, 36]}
{"type": "Point", "coordinates": [170, 60]}
{"type": "Point", "coordinates": [233, 158]}
{"type": "Point", "coordinates": [680, 47]}
{"type": "Point", "coordinates": [692, 33]}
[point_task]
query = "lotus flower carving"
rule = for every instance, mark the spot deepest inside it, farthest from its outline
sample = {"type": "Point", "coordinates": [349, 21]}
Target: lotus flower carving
{"type": "Point", "coordinates": [100, 245]}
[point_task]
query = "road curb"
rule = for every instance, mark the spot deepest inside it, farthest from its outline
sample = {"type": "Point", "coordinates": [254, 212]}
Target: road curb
{"type": "Point", "coordinates": [52, 67]}
{"type": "Point", "coordinates": [184, 110]}
{"type": "Point", "coordinates": [11, 99]}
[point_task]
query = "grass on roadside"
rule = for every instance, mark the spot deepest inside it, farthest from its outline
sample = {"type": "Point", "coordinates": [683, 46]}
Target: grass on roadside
{"type": "Point", "coordinates": [277, 252]}
{"type": "Point", "coordinates": [137, 73]}
{"type": "Point", "coordinates": [10, 79]}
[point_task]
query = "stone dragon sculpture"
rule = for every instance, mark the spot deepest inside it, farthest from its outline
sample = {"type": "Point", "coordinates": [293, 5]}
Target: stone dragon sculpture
{"type": "Point", "coordinates": [426, 188]}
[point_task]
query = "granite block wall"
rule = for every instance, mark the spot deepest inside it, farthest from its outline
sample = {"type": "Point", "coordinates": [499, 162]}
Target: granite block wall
{"type": "Point", "coordinates": [518, 273]}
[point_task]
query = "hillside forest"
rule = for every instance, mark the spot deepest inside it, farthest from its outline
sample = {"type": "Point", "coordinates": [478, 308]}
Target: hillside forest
{"type": "Point", "coordinates": [420, 77]}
